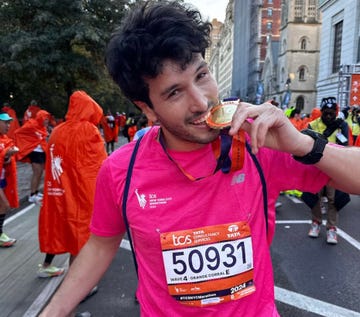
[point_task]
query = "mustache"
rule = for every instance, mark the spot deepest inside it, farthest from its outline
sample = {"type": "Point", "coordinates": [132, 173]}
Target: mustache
{"type": "Point", "coordinates": [210, 104]}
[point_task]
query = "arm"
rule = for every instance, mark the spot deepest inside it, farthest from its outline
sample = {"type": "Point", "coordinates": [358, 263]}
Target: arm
{"type": "Point", "coordinates": [342, 165]}
{"type": "Point", "coordinates": [271, 128]}
{"type": "Point", "coordinates": [87, 269]}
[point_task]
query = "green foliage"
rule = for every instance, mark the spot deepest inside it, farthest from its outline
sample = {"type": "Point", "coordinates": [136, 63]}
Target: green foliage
{"type": "Point", "coordinates": [48, 48]}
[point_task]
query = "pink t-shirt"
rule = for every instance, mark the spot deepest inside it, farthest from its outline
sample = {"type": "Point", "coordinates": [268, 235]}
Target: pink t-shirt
{"type": "Point", "coordinates": [162, 202]}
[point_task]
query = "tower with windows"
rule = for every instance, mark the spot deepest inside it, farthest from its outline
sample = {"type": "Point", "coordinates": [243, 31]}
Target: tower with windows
{"type": "Point", "coordinates": [299, 51]}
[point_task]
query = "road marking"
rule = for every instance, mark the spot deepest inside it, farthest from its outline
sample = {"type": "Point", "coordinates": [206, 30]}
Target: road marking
{"type": "Point", "coordinates": [341, 233]}
{"type": "Point", "coordinates": [294, 199]}
{"type": "Point", "coordinates": [18, 214]}
{"type": "Point", "coordinates": [312, 305]}
{"type": "Point", "coordinates": [125, 244]}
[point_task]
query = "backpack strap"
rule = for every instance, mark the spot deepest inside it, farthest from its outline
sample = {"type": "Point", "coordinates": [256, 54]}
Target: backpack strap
{"type": "Point", "coordinates": [127, 186]}
{"type": "Point", "coordinates": [125, 198]}
{"type": "Point", "coordinates": [263, 183]}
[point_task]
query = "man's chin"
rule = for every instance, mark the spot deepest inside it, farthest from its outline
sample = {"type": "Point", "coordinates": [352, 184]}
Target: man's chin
{"type": "Point", "coordinates": [211, 136]}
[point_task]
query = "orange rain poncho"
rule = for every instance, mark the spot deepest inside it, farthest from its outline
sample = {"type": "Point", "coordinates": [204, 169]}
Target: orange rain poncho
{"type": "Point", "coordinates": [10, 171]}
{"type": "Point", "coordinates": [30, 112]}
{"type": "Point", "coordinates": [74, 155]}
{"type": "Point", "coordinates": [111, 130]}
{"type": "Point", "coordinates": [31, 134]}
{"type": "Point", "coordinates": [14, 123]}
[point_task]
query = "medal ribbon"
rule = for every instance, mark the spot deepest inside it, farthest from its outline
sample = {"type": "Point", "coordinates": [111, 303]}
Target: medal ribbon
{"type": "Point", "coordinates": [221, 148]}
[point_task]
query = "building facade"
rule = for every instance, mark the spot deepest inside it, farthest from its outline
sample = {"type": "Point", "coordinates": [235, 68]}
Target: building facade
{"type": "Point", "coordinates": [299, 50]}
{"type": "Point", "coordinates": [238, 58]}
{"type": "Point", "coordinates": [340, 48]}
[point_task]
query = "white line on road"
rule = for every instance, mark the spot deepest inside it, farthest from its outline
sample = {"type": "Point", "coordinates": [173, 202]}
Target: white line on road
{"type": "Point", "coordinates": [312, 305]}
{"type": "Point", "coordinates": [18, 214]}
{"type": "Point", "coordinates": [295, 199]}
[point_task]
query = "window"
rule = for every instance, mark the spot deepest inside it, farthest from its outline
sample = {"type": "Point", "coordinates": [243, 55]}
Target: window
{"type": "Point", "coordinates": [300, 103]}
{"type": "Point", "coordinates": [269, 26]}
{"type": "Point", "coordinates": [312, 8]}
{"type": "Point", "coordinates": [269, 12]}
{"type": "Point", "coordinates": [270, 1]}
{"type": "Point", "coordinates": [302, 73]}
{"type": "Point", "coordinates": [299, 7]}
{"type": "Point", "coordinates": [337, 46]}
{"type": "Point", "coordinates": [303, 44]}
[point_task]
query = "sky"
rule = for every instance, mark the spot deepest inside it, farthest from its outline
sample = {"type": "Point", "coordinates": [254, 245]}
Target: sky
{"type": "Point", "coordinates": [211, 8]}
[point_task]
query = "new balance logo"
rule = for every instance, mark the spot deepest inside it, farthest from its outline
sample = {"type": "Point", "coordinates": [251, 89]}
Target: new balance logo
{"type": "Point", "coordinates": [237, 179]}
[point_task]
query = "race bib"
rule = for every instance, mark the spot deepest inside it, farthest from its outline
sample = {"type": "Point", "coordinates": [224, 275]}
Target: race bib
{"type": "Point", "coordinates": [209, 265]}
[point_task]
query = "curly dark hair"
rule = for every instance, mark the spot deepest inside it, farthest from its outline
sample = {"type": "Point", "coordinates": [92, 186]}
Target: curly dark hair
{"type": "Point", "coordinates": [151, 33]}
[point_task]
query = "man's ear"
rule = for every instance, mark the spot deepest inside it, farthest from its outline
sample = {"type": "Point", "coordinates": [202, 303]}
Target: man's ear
{"type": "Point", "coordinates": [149, 112]}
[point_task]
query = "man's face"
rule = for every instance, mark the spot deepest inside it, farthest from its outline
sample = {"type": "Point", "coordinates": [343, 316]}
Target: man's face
{"type": "Point", "coordinates": [182, 99]}
{"type": "Point", "coordinates": [328, 115]}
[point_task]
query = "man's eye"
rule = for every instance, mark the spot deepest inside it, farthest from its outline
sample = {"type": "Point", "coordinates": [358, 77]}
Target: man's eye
{"type": "Point", "coordinates": [201, 75]}
{"type": "Point", "coordinates": [173, 93]}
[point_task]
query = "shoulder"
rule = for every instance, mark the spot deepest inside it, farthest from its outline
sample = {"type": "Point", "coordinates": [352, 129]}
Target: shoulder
{"type": "Point", "coordinates": [147, 151]}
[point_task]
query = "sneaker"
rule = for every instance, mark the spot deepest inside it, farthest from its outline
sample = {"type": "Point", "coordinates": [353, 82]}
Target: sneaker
{"type": "Point", "coordinates": [5, 241]}
{"type": "Point", "coordinates": [331, 236]}
{"type": "Point", "coordinates": [40, 195]}
{"type": "Point", "coordinates": [35, 199]}
{"type": "Point", "coordinates": [314, 230]}
{"type": "Point", "coordinates": [49, 271]}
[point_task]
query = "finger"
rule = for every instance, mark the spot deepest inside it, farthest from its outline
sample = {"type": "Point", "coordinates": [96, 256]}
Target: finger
{"type": "Point", "coordinates": [242, 114]}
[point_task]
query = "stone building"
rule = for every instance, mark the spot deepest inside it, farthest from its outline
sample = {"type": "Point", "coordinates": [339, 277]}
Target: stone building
{"type": "Point", "coordinates": [215, 38]}
{"type": "Point", "coordinates": [340, 48]}
{"type": "Point", "coordinates": [298, 59]}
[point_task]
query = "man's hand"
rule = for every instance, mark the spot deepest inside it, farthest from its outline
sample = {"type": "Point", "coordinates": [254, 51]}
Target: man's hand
{"type": "Point", "coordinates": [268, 126]}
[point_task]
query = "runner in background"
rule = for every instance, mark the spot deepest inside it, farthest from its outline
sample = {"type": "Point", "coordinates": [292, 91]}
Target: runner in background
{"type": "Point", "coordinates": [111, 131]}
{"type": "Point", "coordinates": [14, 123]}
{"type": "Point", "coordinates": [31, 111]}
{"type": "Point", "coordinates": [8, 180]}
{"type": "Point", "coordinates": [31, 141]}
{"type": "Point", "coordinates": [75, 153]}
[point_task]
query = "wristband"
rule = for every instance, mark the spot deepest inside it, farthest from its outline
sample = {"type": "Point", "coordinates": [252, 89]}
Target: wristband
{"type": "Point", "coordinates": [315, 155]}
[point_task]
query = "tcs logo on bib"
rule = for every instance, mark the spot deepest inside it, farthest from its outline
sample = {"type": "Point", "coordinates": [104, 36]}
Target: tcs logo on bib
{"type": "Point", "coordinates": [181, 240]}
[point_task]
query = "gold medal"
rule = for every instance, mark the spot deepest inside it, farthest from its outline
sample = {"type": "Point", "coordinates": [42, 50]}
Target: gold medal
{"type": "Point", "coordinates": [221, 115]}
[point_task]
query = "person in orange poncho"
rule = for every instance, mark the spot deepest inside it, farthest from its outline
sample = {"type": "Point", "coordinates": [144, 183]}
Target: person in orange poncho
{"type": "Point", "coordinates": [8, 183]}
{"type": "Point", "coordinates": [31, 140]}
{"type": "Point", "coordinates": [75, 153]}
{"type": "Point", "coordinates": [14, 123]}
{"type": "Point", "coordinates": [31, 111]}
{"type": "Point", "coordinates": [295, 119]}
{"type": "Point", "coordinates": [111, 132]}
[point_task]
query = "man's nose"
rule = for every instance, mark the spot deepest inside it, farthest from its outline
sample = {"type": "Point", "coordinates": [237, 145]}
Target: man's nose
{"type": "Point", "coordinates": [198, 100]}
